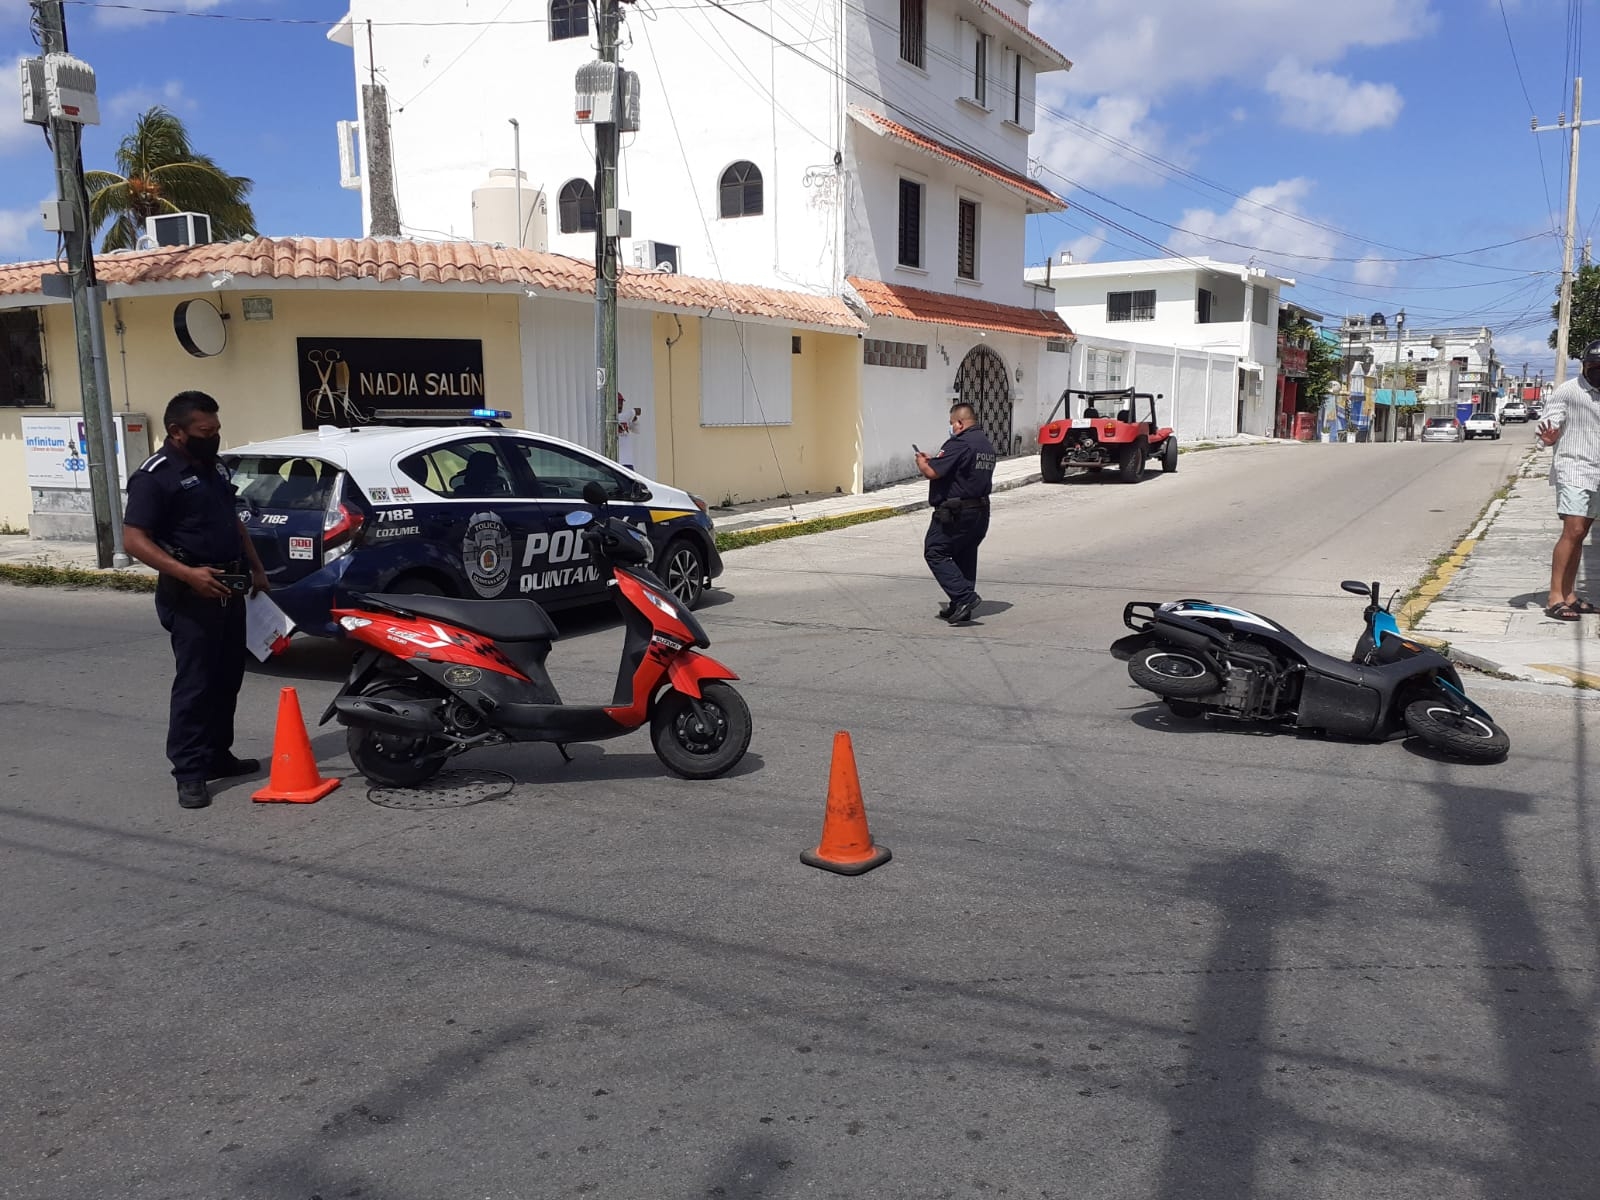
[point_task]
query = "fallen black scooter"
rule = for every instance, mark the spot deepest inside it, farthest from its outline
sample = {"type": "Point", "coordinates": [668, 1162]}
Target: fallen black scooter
{"type": "Point", "coordinates": [1209, 659]}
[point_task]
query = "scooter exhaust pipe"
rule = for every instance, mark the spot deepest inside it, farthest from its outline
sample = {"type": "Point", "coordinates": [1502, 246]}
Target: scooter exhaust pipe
{"type": "Point", "coordinates": [418, 718]}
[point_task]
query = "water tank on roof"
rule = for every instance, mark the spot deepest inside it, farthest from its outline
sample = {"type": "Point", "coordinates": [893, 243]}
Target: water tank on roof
{"type": "Point", "coordinates": [495, 217]}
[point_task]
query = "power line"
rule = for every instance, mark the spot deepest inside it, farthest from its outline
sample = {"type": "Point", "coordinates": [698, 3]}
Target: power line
{"type": "Point", "coordinates": [1544, 175]}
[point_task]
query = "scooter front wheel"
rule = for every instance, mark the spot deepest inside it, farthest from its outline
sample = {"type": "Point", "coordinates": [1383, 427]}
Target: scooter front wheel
{"type": "Point", "coordinates": [701, 739]}
{"type": "Point", "coordinates": [1463, 735]}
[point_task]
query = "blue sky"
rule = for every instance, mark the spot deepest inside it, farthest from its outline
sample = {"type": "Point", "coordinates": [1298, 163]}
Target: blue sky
{"type": "Point", "coordinates": [1347, 134]}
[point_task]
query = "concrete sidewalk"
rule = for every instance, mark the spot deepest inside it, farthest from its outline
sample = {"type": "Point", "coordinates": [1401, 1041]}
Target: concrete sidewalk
{"type": "Point", "coordinates": [1488, 599]}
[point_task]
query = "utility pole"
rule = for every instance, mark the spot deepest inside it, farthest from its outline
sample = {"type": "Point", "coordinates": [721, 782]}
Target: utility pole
{"type": "Point", "coordinates": [1564, 315]}
{"type": "Point", "coordinates": [606, 230]}
{"type": "Point", "coordinates": [66, 138]}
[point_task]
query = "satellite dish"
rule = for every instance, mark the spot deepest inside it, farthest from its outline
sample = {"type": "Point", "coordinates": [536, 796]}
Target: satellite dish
{"type": "Point", "coordinates": [200, 328]}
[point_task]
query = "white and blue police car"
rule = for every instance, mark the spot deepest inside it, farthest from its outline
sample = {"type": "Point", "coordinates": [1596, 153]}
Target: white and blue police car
{"type": "Point", "coordinates": [467, 509]}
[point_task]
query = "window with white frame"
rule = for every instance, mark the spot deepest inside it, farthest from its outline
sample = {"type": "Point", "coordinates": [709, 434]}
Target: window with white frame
{"type": "Point", "coordinates": [745, 374]}
{"type": "Point", "coordinates": [966, 238]}
{"type": "Point", "coordinates": [568, 19]}
{"type": "Point", "coordinates": [1018, 83]}
{"type": "Point", "coordinates": [913, 31]}
{"type": "Point", "coordinates": [1131, 306]}
{"type": "Point", "coordinates": [974, 55]}
{"type": "Point", "coordinates": [1104, 370]}
{"type": "Point", "coordinates": [910, 240]}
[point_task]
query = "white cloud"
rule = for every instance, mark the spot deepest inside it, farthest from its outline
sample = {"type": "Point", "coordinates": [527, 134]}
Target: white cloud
{"type": "Point", "coordinates": [15, 226]}
{"type": "Point", "coordinates": [1180, 45]}
{"type": "Point", "coordinates": [1250, 224]}
{"type": "Point", "coordinates": [1325, 102]}
{"type": "Point", "coordinates": [1083, 249]}
{"type": "Point", "coordinates": [1100, 158]}
{"type": "Point", "coordinates": [170, 95]}
{"type": "Point", "coordinates": [123, 18]}
{"type": "Point", "coordinates": [1373, 270]}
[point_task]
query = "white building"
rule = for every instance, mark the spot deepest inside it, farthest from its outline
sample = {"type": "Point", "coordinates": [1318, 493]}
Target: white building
{"type": "Point", "coordinates": [875, 150]}
{"type": "Point", "coordinates": [1453, 365]}
{"type": "Point", "coordinates": [1171, 306]}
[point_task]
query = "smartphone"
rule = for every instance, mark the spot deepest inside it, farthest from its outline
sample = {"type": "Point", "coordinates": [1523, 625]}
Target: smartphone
{"type": "Point", "coordinates": [916, 447]}
{"type": "Point", "coordinates": [237, 584]}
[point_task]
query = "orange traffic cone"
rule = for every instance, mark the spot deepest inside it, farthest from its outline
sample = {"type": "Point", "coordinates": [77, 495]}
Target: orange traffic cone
{"type": "Point", "coordinates": [294, 769]}
{"type": "Point", "coordinates": [846, 846]}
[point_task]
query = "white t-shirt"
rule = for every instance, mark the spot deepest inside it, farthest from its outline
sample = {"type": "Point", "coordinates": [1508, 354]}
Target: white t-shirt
{"type": "Point", "coordinates": [1574, 408]}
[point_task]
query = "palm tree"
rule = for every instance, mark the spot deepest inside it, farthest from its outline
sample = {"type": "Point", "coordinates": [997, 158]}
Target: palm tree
{"type": "Point", "coordinates": [161, 173]}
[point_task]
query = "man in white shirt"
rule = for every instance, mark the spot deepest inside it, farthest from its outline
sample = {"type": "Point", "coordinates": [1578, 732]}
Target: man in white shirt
{"type": "Point", "coordinates": [627, 427]}
{"type": "Point", "coordinates": [1571, 424]}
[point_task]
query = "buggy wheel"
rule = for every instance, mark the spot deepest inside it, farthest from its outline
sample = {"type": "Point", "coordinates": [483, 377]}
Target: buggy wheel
{"type": "Point", "coordinates": [1051, 469]}
{"type": "Point", "coordinates": [1131, 464]}
{"type": "Point", "coordinates": [1169, 454]}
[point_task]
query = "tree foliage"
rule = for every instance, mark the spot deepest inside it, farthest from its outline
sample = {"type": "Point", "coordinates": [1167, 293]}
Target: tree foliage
{"type": "Point", "coordinates": [158, 171]}
{"type": "Point", "coordinates": [1322, 366]}
{"type": "Point", "coordinates": [1585, 327]}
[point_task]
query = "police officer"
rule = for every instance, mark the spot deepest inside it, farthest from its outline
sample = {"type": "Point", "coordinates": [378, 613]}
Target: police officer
{"type": "Point", "coordinates": [961, 476]}
{"type": "Point", "coordinates": [180, 520]}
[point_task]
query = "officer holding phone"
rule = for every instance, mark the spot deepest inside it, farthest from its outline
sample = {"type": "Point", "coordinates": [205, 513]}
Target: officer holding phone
{"type": "Point", "coordinates": [960, 478]}
{"type": "Point", "coordinates": [180, 520]}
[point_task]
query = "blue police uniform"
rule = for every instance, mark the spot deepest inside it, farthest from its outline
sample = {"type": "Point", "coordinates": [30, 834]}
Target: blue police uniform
{"type": "Point", "coordinates": [187, 508]}
{"type": "Point", "coordinates": [964, 469]}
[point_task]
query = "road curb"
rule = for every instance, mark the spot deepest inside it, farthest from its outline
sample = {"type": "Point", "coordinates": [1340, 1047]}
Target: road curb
{"type": "Point", "coordinates": [877, 511]}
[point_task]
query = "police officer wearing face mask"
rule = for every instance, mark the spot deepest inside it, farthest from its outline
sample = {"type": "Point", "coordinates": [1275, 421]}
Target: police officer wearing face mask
{"type": "Point", "coordinates": [961, 476]}
{"type": "Point", "coordinates": [180, 520]}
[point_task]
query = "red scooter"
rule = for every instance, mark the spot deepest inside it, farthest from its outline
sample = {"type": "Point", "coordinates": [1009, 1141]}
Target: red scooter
{"type": "Point", "coordinates": [441, 676]}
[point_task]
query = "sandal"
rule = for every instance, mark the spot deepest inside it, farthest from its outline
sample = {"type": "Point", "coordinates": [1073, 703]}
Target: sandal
{"type": "Point", "coordinates": [1562, 612]}
{"type": "Point", "coordinates": [1583, 607]}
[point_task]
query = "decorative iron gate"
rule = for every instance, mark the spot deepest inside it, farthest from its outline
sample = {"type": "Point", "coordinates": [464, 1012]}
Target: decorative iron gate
{"type": "Point", "coordinates": [982, 382]}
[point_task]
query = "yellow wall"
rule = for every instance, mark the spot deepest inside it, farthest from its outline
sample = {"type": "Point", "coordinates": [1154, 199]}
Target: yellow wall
{"type": "Point", "coordinates": [255, 379]}
{"type": "Point", "coordinates": [817, 452]}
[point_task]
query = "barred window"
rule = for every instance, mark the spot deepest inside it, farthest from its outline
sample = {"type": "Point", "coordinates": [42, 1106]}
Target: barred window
{"type": "Point", "coordinates": [22, 383]}
{"type": "Point", "coordinates": [568, 19]}
{"type": "Point", "coordinates": [1131, 306]}
{"type": "Point", "coordinates": [576, 207]}
{"type": "Point", "coordinates": [913, 26]}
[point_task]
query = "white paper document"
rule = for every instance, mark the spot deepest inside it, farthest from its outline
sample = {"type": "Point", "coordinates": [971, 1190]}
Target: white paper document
{"type": "Point", "coordinates": [266, 627]}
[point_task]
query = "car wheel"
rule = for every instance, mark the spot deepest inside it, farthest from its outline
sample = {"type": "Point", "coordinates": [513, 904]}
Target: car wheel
{"type": "Point", "coordinates": [1051, 469]}
{"type": "Point", "coordinates": [416, 585]}
{"type": "Point", "coordinates": [683, 570]}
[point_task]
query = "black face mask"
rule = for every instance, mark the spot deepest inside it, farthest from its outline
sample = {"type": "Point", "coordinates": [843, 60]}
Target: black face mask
{"type": "Point", "coordinates": [1591, 372]}
{"type": "Point", "coordinates": [203, 449]}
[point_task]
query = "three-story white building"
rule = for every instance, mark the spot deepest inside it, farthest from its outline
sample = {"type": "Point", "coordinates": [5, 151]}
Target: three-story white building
{"type": "Point", "coordinates": [871, 149]}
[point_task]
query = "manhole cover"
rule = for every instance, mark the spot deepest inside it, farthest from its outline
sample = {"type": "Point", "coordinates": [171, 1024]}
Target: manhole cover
{"type": "Point", "coordinates": [447, 789]}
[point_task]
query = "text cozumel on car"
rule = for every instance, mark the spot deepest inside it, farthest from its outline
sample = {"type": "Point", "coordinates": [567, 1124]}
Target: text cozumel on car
{"type": "Point", "coordinates": [469, 510]}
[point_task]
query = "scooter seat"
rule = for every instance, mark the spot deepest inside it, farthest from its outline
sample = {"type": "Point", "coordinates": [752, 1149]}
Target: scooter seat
{"type": "Point", "coordinates": [502, 620]}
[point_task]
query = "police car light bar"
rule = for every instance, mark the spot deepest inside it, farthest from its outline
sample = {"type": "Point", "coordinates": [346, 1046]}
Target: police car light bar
{"type": "Point", "coordinates": [441, 414]}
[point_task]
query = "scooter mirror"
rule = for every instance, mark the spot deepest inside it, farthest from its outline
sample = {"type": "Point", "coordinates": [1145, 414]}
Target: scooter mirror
{"type": "Point", "coordinates": [578, 518]}
{"type": "Point", "coordinates": [594, 493]}
{"type": "Point", "coordinates": [1356, 588]}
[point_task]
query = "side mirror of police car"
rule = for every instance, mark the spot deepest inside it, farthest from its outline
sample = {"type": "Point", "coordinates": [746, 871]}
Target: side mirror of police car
{"type": "Point", "coordinates": [595, 493]}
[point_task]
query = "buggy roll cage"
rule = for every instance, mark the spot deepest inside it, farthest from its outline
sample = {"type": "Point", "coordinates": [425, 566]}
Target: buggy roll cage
{"type": "Point", "coordinates": [1115, 394]}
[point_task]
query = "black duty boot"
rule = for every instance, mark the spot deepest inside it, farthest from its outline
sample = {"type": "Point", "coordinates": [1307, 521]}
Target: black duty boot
{"type": "Point", "coordinates": [227, 768]}
{"type": "Point", "coordinates": [193, 793]}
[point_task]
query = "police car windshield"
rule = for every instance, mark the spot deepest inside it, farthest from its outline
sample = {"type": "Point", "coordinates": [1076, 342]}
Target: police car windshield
{"type": "Point", "coordinates": [272, 481]}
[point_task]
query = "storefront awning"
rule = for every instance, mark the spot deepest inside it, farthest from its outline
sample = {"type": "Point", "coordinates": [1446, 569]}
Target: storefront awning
{"type": "Point", "coordinates": [1404, 398]}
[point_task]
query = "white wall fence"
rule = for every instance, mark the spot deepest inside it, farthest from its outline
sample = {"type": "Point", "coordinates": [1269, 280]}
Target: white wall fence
{"type": "Point", "coordinates": [1199, 389]}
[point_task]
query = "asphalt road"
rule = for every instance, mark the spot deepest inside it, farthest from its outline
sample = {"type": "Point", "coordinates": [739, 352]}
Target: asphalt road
{"type": "Point", "coordinates": [1115, 955]}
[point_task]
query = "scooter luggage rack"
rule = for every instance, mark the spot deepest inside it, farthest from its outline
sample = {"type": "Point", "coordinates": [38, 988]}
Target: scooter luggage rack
{"type": "Point", "coordinates": [1140, 615]}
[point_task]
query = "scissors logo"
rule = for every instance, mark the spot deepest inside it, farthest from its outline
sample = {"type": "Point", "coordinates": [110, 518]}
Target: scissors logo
{"type": "Point", "coordinates": [330, 399]}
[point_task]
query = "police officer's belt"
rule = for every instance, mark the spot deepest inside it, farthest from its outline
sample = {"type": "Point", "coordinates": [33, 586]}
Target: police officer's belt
{"type": "Point", "coordinates": [969, 502]}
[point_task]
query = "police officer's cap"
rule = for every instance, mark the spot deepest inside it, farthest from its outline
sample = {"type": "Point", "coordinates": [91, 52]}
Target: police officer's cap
{"type": "Point", "coordinates": [1591, 353]}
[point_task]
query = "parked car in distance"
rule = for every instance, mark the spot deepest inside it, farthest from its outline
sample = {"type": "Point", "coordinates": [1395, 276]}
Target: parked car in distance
{"type": "Point", "coordinates": [1442, 429]}
{"type": "Point", "coordinates": [1514, 410]}
{"type": "Point", "coordinates": [1481, 424]}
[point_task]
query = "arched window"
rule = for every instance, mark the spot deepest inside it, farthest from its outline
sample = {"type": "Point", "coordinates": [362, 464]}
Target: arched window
{"type": "Point", "coordinates": [568, 19]}
{"type": "Point", "coordinates": [741, 190]}
{"type": "Point", "coordinates": [577, 206]}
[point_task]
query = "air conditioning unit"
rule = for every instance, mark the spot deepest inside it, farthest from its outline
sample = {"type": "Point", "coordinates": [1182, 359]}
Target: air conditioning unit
{"type": "Point", "coordinates": [178, 229]}
{"type": "Point", "coordinates": [69, 89]}
{"type": "Point", "coordinates": [656, 256]}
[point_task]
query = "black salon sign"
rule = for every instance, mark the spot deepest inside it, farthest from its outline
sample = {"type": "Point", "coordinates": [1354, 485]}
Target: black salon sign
{"type": "Point", "coordinates": [352, 381]}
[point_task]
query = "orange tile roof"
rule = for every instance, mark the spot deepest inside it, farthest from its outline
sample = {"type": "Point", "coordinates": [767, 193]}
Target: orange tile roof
{"type": "Point", "coordinates": [1061, 60]}
{"type": "Point", "coordinates": [942, 308]}
{"type": "Point", "coordinates": [390, 260]}
{"type": "Point", "coordinates": [1043, 199]}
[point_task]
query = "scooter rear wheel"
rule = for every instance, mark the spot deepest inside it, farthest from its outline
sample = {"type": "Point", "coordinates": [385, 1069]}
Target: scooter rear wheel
{"type": "Point", "coordinates": [391, 759]}
{"type": "Point", "coordinates": [1173, 673]}
{"type": "Point", "coordinates": [1463, 735]}
{"type": "Point", "coordinates": [699, 748]}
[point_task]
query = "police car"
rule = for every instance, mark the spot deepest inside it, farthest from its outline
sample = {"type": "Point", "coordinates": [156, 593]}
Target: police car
{"type": "Point", "coordinates": [473, 510]}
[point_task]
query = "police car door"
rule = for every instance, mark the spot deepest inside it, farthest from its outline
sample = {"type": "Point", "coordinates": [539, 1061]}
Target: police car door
{"type": "Point", "coordinates": [558, 567]}
{"type": "Point", "coordinates": [486, 513]}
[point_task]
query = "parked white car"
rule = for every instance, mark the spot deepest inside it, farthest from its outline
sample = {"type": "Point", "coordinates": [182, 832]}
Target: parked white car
{"type": "Point", "coordinates": [1481, 424]}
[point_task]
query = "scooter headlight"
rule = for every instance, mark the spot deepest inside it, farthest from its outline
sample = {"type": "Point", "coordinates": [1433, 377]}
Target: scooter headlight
{"type": "Point", "coordinates": [664, 605]}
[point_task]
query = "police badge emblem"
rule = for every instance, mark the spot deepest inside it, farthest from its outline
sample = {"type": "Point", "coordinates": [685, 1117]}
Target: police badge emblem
{"type": "Point", "coordinates": [486, 553]}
